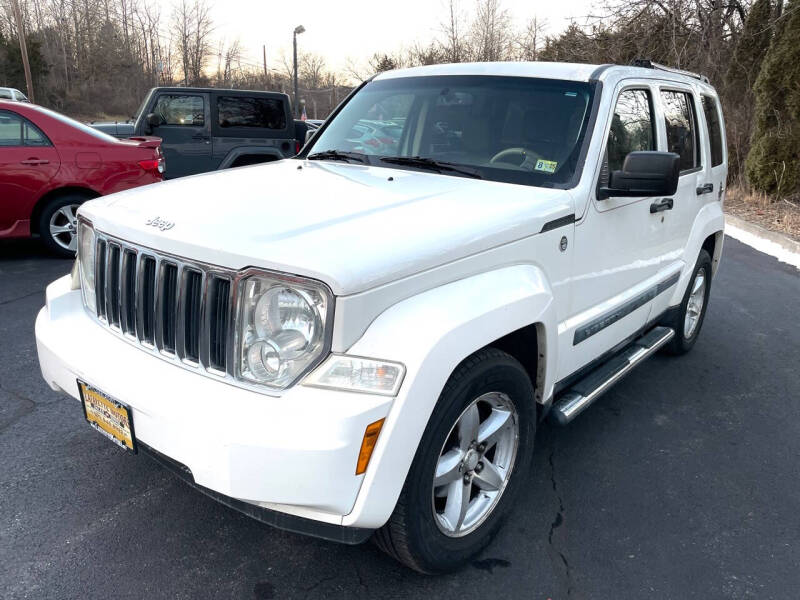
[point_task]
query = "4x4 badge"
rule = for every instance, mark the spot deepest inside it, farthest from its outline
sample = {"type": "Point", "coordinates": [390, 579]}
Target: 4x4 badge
{"type": "Point", "coordinates": [162, 224]}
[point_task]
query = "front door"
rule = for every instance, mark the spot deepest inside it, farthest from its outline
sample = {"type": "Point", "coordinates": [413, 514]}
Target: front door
{"type": "Point", "coordinates": [618, 243]}
{"type": "Point", "coordinates": [28, 161]}
{"type": "Point", "coordinates": [185, 131]}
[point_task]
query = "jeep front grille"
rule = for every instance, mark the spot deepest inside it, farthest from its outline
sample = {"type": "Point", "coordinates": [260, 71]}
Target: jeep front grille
{"type": "Point", "coordinates": [178, 309]}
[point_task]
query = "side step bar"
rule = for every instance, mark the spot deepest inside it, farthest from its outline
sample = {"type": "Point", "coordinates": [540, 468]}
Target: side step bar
{"type": "Point", "coordinates": [575, 400]}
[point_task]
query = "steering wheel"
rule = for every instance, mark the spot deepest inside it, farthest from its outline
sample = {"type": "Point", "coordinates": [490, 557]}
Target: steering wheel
{"type": "Point", "coordinates": [527, 157]}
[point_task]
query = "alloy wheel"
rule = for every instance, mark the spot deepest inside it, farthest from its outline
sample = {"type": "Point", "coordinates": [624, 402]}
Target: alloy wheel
{"type": "Point", "coordinates": [64, 227]}
{"type": "Point", "coordinates": [475, 464]}
{"type": "Point", "coordinates": [694, 307]}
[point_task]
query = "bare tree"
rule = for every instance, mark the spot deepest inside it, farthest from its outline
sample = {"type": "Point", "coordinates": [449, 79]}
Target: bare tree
{"type": "Point", "coordinates": [490, 34]}
{"type": "Point", "coordinates": [453, 43]}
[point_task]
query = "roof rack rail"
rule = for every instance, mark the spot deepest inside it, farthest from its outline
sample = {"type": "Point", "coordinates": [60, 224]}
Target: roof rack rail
{"type": "Point", "coordinates": [649, 64]}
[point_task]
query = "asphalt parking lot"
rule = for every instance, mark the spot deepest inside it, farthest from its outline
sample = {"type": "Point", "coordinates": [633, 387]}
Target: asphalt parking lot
{"type": "Point", "coordinates": [682, 482]}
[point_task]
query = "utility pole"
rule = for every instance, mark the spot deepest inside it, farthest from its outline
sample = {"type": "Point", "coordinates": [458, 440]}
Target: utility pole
{"type": "Point", "coordinates": [23, 48]}
{"type": "Point", "coordinates": [264, 47]}
{"type": "Point", "coordinates": [296, 106]}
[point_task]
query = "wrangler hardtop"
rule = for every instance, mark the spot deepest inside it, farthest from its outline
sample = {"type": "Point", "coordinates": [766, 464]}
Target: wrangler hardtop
{"type": "Point", "coordinates": [206, 129]}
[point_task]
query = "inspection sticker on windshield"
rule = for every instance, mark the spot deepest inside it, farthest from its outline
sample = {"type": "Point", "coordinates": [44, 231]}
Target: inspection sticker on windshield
{"type": "Point", "coordinates": [548, 166]}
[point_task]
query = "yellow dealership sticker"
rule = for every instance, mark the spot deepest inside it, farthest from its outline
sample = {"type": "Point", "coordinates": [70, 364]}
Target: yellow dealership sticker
{"type": "Point", "coordinates": [547, 166]}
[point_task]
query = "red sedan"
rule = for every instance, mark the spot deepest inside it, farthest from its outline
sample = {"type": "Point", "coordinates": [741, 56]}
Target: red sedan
{"type": "Point", "coordinates": [51, 164]}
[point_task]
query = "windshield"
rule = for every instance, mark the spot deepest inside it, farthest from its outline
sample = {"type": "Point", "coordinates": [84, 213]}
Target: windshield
{"type": "Point", "coordinates": [513, 129]}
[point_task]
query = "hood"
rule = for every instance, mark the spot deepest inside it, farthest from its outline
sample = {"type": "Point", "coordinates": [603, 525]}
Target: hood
{"type": "Point", "coordinates": [354, 227]}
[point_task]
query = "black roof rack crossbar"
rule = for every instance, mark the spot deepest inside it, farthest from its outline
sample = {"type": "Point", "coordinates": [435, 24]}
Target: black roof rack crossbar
{"type": "Point", "coordinates": [649, 64]}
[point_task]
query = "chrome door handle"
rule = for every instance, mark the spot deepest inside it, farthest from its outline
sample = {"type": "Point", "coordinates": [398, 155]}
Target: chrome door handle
{"type": "Point", "coordinates": [661, 205]}
{"type": "Point", "coordinates": [706, 188]}
{"type": "Point", "coordinates": [35, 161]}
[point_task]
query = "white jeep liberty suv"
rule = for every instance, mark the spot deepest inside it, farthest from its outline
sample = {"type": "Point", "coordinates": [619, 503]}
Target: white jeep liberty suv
{"type": "Point", "coordinates": [360, 342]}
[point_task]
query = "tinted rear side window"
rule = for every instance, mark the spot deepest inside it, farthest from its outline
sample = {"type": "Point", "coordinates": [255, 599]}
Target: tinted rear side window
{"type": "Point", "coordinates": [10, 129]}
{"type": "Point", "coordinates": [241, 111]}
{"type": "Point", "coordinates": [631, 127]}
{"type": "Point", "coordinates": [714, 129]}
{"type": "Point", "coordinates": [681, 128]}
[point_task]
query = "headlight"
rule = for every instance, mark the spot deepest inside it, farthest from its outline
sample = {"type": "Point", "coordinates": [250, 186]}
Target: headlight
{"type": "Point", "coordinates": [283, 329]}
{"type": "Point", "coordinates": [86, 247]}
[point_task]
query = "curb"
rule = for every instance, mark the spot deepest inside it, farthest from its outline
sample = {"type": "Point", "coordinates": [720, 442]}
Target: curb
{"type": "Point", "coordinates": [775, 244]}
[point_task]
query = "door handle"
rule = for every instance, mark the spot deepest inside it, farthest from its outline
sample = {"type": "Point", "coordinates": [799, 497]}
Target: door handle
{"type": "Point", "coordinates": [661, 205]}
{"type": "Point", "coordinates": [706, 188]}
{"type": "Point", "coordinates": [35, 161]}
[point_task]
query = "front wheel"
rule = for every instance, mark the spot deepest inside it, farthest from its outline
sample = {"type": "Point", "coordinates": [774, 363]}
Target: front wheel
{"type": "Point", "coordinates": [474, 455]}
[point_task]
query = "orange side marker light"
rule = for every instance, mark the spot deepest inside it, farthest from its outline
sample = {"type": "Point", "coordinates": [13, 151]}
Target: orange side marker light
{"type": "Point", "coordinates": [368, 445]}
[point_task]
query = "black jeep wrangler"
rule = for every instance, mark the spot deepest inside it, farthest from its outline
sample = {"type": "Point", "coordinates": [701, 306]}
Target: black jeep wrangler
{"type": "Point", "coordinates": [205, 129]}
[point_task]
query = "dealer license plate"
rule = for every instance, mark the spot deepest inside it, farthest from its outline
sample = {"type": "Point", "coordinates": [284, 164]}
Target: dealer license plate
{"type": "Point", "coordinates": [108, 416]}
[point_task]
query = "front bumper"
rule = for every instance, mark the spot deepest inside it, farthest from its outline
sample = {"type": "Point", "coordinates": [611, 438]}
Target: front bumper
{"type": "Point", "coordinates": [295, 454]}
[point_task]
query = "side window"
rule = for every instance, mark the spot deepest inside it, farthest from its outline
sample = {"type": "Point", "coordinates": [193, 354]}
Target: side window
{"type": "Point", "coordinates": [240, 111]}
{"type": "Point", "coordinates": [32, 136]}
{"type": "Point", "coordinates": [714, 129]}
{"type": "Point", "coordinates": [5, 95]}
{"type": "Point", "coordinates": [181, 109]}
{"type": "Point", "coordinates": [631, 127]}
{"type": "Point", "coordinates": [10, 129]}
{"type": "Point", "coordinates": [681, 126]}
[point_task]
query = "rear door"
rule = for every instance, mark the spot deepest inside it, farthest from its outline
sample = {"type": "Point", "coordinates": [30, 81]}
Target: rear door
{"type": "Point", "coordinates": [185, 131]}
{"type": "Point", "coordinates": [681, 129]}
{"type": "Point", "coordinates": [28, 161]}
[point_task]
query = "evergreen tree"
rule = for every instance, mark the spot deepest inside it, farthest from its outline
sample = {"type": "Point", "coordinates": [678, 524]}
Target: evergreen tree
{"type": "Point", "coordinates": [773, 163]}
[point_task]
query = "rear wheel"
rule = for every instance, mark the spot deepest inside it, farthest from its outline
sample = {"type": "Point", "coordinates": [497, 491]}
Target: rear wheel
{"type": "Point", "coordinates": [473, 457]}
{"type": "Point", "coordinates": [692, 311]}
{"type": "Point", "coordinates": [58, 224]}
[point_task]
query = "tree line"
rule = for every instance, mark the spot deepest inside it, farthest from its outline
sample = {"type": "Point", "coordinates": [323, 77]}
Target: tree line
{"type": "Point", "coordinates": [90, 58]}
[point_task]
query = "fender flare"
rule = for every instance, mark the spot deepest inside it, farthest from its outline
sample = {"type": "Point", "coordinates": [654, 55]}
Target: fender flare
{"type": "Point", "coordinates": [710, 220]}
{"type": "Point", "coordinates": [235, 153]}
{"type": "Point", "coordinates": [431, 333]}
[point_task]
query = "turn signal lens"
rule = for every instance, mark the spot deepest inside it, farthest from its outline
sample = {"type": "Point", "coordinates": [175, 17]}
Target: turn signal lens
{"type": "Point", "coordinates": [357, 374]}
{"type": "Point", "coordinates": [368, 445]}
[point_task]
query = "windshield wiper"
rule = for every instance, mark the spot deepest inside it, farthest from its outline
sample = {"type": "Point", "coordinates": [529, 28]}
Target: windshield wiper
{"type": "Point", "coordinates": [337, 155]}
{"type": "Point", "coordinates": [434, 165]}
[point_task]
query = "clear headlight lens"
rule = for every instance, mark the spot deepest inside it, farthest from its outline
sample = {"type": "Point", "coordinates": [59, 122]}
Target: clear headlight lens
{"type": "Point", "coordinates": [283, 329]}
{"type": "Point", "coordinates": [356, 374]}
{"type": "Point", "coordinates": [86, 248]}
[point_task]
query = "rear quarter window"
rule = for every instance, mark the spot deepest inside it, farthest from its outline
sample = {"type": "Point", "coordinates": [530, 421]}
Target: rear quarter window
{"type": "Point", "coordinates": [251, 112]}
{"type": "Point", "coordinates": [714, 129]}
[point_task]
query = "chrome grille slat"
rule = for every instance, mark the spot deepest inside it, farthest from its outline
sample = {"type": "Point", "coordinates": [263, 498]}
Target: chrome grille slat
{"type": "Point", "coordinates": [177, 309]}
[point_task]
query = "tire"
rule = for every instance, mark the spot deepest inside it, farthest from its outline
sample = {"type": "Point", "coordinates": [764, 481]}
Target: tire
{"type": "Point", "coordinates": [59, 212]}
{"type": "Point", "coordinates": [414, 534]}
{"type": "Point", "coordinates": [684, 340]}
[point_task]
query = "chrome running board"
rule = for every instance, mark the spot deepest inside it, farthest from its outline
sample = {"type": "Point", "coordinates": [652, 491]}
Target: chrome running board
{"type": "Point", "coordinates": [576, 399]}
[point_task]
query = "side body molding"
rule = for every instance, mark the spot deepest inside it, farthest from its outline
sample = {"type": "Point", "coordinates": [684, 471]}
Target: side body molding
{"type": "Point", "coordinates": [431, 333]}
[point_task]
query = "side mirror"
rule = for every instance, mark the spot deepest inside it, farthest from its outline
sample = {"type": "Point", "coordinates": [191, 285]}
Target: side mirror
{"type": "Point", "coordinates": [153, 120]}
{"type": "Point", "coordinates": [645, 173]}
{"type": "Point", "coordinates": [310, 134]}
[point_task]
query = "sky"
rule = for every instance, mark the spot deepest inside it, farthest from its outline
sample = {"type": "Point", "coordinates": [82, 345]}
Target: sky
{"type": "Point", "coordinates": [355, 29]}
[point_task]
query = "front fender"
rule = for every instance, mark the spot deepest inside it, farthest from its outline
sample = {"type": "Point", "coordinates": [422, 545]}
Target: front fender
{"type": "Point", "coordinates": [431, 333]}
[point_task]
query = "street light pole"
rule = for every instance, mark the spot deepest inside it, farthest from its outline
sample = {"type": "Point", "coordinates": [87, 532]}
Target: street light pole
{"type": "Point", "coordinates": [297, 30]}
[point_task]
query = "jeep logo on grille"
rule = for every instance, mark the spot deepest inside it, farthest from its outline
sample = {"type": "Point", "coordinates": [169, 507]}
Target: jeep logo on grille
{"type": "Point", "coordinates": [162, 224]}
